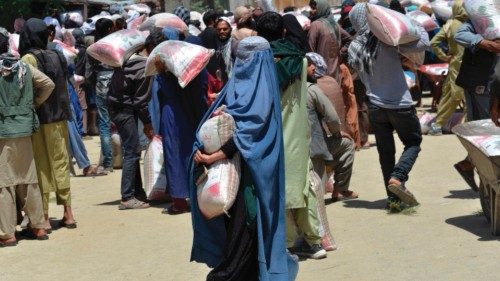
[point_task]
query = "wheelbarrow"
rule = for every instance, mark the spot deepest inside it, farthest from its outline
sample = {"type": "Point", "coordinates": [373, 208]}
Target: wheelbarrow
{"type": "Point", "coordinates": [481, 139]}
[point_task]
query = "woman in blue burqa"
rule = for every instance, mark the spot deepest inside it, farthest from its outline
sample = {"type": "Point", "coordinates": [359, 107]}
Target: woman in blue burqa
{"type": "Point", "coordinates": [181, 112]}
{"type": "Point", "coordinates": [250, 243]}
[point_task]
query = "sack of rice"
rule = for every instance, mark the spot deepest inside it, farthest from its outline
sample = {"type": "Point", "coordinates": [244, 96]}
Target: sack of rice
{"type": "Point", "coordinates": [217, 192]}
{"type": "Point", "coordinates": [116, 145]}
{"type": "Point", "coordinates": [405, 2]}
{"type": "Point", "coordinates": [155, 179]}
{"type": "Point", "coordinates": [442, 9]}
{"type": "Point", "coordinates": [424, 20]}
{"type": "Point", "coordinates": [485, 16]}
{"type": "Point", "coordinates": [135, 23]}
{"type": "Point", "coordinates": [216, 131]}
{"type": "Point", "coordinates": [14, 44]}
{"type": "Point", "coordinates": [69, 51]}
{"type": "Point", "coordinates": [182, 59]}
{"type": "Point", "coordinates": [141, 8]}
{"type": "Point", "coordinates": [420, 3]}
{"type": "Point", "coordinates": [117, 47]}
{"type": "Point", "coordinates": [163, 20]}
{"type": "Point", "coordinates": [391, 27]}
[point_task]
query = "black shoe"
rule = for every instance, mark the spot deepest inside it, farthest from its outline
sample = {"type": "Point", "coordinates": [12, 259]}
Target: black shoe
{"type": "Point", "coordinates": [403, 194]}
{"type": "Point", "coordinates": [315, 251]}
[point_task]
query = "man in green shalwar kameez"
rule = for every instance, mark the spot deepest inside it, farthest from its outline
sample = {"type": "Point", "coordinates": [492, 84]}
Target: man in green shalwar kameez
{"type": "Point", "coordinates": [453, 95]}
{"type": "Point", "coordinates": [291, 67]}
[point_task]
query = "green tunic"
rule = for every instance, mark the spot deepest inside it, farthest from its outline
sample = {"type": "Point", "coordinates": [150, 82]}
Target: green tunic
{"type": "Point", "coordinates": [447, 35]}
{"type": "Point", "coordinates": [296, 138]}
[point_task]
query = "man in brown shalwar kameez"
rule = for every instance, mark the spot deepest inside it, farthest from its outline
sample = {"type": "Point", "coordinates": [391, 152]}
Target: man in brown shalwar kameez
{"type": "Point", "coordinates": [22, 88]}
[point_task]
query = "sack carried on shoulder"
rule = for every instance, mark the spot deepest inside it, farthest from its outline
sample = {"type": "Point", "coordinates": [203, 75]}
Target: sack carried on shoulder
{"type": "Point", "coordinates": [163, 20]}
{"type": "Point", "coordinates": [116, 48]}
{"type": "Point", "coordinates": [182, 59]}
{"type": "Point", "coordinates": [485, 16]}
{"type": "Point", "coordinates": [391, 27]}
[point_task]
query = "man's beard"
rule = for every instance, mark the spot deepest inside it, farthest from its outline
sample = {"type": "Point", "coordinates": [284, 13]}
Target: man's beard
{"type": "Point", "coordinates": [311, 79]}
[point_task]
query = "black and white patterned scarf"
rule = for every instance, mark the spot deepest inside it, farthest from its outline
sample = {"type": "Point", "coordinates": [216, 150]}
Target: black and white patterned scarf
{"type": "Point", "coordinates": [363, 49]}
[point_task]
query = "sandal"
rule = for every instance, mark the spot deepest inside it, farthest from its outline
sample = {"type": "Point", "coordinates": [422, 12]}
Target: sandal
{"type": "Point", "coordinates": [67, 225]}
{"type": "Point", "coordinates": [8, 244]}
{"type": "Point", "coordinates": [92, 171]}
{"type": "Point", "coordinates": [344, 195]}
{"type": "Point", "coordinates": [174, 211]}
{"type": "Point", "coordinates": [28, 233]}
{"type": "Point", "coordinates": [133, 204]}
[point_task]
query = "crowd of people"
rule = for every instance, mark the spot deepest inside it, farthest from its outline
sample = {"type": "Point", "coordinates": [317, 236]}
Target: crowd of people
{"type": "Point", "coordinates": [304, 100]}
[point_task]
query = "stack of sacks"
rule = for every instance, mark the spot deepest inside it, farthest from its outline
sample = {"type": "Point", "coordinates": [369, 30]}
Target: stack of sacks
{"type": "Point", "coordinates": [116, 48]}
{"type": "Point", "coordinates": [391, 27]}
{"type": "Point", "coordinates": [182, 59]}
{"type": "Point", "coordinates": [217, 190]}
{"type": "Point", "coordinates": [163, 20]}
{"type": "Point", "coordinates": [485, 16]}
{"type": "Point", "coordinates": [424, 20]}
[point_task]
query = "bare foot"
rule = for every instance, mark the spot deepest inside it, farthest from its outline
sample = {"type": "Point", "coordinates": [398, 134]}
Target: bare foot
{"type": "Point", "coordinates": [39, 232]}
{"type": "Point", "coordinates": [47, 226]}
{"type": "Point", "coordinates": [394, 181]}
{"type": "Point", "coordinates": [68, 215]}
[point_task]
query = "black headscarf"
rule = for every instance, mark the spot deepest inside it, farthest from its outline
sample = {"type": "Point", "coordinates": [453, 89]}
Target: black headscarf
{"type": "Point", "coordinates": [4, 41]}
{"type": "Point", "coordinates": [34, 35]}
{"type": "Point", "coordinates": [395, 5]}
{"type": "Point", "coordinates": [295, 34]}
{"type": "Point", "coordinates": [79, 37]}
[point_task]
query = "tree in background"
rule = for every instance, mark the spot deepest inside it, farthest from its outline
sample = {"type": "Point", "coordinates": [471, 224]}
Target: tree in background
{"type": "Point", "coordinates": [202, 5]}
{"type": "Point", "coordinates": [26, 9]}
{"type": "Point", "coordinates": [17, 8]}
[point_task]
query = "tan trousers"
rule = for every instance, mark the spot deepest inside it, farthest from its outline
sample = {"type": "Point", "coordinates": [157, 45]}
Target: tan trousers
{"type": "Point", "coordinates": [447, 106]}
{"type": "Point", "coordinates": [63, 197]}
{"type": "Point", "coordinates": [303, 222]}
{"type": "Point", "coordinates": [30, 199]}
{"type": "Point", "coordinates": [50, 147]}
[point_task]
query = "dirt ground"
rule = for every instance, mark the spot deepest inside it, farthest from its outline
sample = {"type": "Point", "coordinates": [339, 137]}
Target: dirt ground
{"type": "Point", "coordinates": [446, 239]}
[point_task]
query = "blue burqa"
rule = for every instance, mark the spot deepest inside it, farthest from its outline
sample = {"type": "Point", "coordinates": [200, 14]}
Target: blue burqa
{"type": "Point", "coordinates": [252, 97]}
{"type": "Point", "coordinates": [181, 113]}
{"type": "Point", "coordinates": [154, 103]}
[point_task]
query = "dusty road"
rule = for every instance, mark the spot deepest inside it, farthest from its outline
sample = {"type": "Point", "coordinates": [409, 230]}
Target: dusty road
{"type": "Point", "coordinates": [446, 239]}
